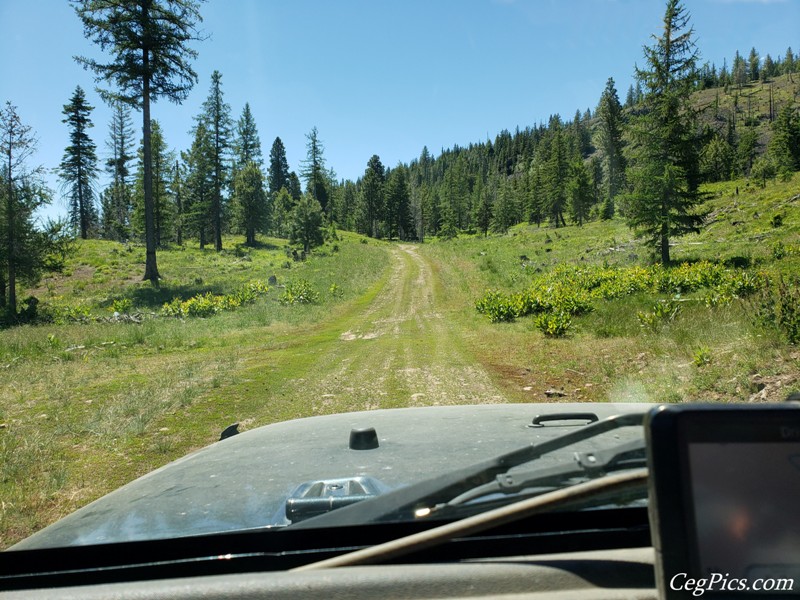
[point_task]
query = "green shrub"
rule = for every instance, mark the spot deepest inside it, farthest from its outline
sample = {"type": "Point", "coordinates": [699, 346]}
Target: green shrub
{"type": "Point", "coordinates": [778, 305]}
{"type": "Point", "coordinates": [123, 305]}
{"type": "Point", "coordinates": [702, 356]}
{"type": "Point", "coordinates": [662, 312]}
{"type": "Point", "coordinates": [497, 306]}
{"type": "Point", "coordinates": [553, 324]}
{"type": "Point", "coordinates": [299, 292]}
{"type": "Point", "coordinates": [208, 304]}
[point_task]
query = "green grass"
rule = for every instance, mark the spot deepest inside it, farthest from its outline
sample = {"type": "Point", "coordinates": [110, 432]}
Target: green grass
{"type": "Point", "coordinates": [87, 406]}
{"type": "Point", "coordinates": [607, 354]}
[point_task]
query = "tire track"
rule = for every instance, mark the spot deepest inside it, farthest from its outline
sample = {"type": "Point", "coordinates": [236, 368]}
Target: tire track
{"type": "Point", "coordinates": [399, 351]}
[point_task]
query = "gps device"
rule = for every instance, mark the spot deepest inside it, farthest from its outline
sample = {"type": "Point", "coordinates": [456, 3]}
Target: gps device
{"type": "Point", "coordinates": [724, 492]}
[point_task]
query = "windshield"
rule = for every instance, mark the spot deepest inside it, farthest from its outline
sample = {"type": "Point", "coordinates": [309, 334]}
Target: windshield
{"type": "Point", "coordinates": [474, 228]}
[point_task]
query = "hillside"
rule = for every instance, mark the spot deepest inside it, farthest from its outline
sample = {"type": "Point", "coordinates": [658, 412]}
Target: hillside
{"type": "Point", "coordinates": [755, 104]}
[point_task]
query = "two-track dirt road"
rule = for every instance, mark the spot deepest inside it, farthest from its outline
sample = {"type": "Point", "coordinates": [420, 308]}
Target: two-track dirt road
{"type": "Point", "coordinates": [398, 351]}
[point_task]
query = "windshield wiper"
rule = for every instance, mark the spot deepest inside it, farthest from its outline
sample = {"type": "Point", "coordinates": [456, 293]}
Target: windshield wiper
{"type": "Point", "coordinates": [442, 489]}
{"type": "Point", "coordinates": [585, 465]}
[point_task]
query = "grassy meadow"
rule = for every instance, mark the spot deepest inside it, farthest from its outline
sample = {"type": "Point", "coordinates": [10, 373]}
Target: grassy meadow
{"type": "Point", "coordinates": [722, 352]}
{"type": "Point", "coordinates": [95, 400]}
{"type": "Point", "coordinates": [114, 388]}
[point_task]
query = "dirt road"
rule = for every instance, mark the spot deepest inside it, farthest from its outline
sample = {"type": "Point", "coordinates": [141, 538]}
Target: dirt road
{"type": "Point", "coordinates": [399, 351]}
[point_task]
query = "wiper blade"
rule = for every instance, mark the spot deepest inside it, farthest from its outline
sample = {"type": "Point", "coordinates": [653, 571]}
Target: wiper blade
{"type": "Point", "coordinates": [441, 489]}
{"type": "Point", "coordinates": [585, 465]}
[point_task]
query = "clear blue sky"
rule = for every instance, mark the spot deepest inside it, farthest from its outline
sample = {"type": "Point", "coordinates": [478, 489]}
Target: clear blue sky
{"type": "Point", "coordinates": [379, 77]}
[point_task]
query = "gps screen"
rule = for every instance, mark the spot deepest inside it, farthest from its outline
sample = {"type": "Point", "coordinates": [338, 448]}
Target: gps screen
{"type": "Point", "coordinates": [746, 508]}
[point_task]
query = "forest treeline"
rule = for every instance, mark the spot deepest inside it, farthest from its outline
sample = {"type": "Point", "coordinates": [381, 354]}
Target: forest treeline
{"type": "Point", "coordinates": [643, 159]}
{"type": "Point", "coordinates": [564, 170]}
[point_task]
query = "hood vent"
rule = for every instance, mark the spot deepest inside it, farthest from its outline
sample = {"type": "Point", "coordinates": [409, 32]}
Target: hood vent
{"type": "Point", "coordinates": [318, 497]}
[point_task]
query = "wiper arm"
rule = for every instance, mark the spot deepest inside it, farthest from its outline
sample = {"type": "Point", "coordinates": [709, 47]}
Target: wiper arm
{"type": "Point", "coordinates": [442, 489]}
{"type": "Point", "coordinates": [586, 465]}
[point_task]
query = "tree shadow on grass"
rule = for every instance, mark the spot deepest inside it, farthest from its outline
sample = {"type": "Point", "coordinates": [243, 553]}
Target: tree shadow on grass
{"type": "Point", "coordinates": [156, 296]}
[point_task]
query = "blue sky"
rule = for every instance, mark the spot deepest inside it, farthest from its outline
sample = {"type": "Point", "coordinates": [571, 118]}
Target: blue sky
{"type": "Point", "coordinates": [379, 77]}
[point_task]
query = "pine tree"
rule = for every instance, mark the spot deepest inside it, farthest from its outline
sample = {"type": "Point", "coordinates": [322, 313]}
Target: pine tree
{"type": "Point", "coordinates": [217, 117]}
{"type": "Point", "coordinates": [784, 147]}
{"type": "Point", "coordinates": [371, 199]}
{"type": "Point", "coordinates": [294, 187]}
{"type": "Point", "coordinates": [282, 206]}
{"type": "Point", "coordinates": [536, 193]}
{"type": "Point", "coordinates": [149, 40]}
{"type": "Point", "coordinates": [345, 210]}
{"type": "Point", "coordinates": [664, 173]}
{"type": "Point", "coordinates": [278, 173]}
{"type": "Point", "coordinates": [555, 176]}
{"type": "Point", "coordinates": [199, 185]}
{"type": "Point", "coordinates": [398, 215]}
{"type": "Point", "coordinates": [250, 201]}
{"type": "Point", "coordinates": [178, 195]}
{"type": "Point", "coordinates": [609, 113]}
{"type": "Point", "coordinates": [314, 169]}
{"type": "Point", "coordinates": [306, 223]}
{"type": "Point", "coordinates": [746, 150]}
{"type": "Point", "coordinates": [483, 208]}
{"type": "Point", "coordinates": [117, 198]}
{"type": "Point", "coordinates": [753, 62]}
{"type": "Point", "coordinates": [716, 159]}
{"type": "Point", "coordinates": [504, 210]}
{"type": "Point", "coordinates": [163, 205]}
{"type": "Point", "coordinates": [22, 192]}
{"type": "Point", "coordinates": [739, 71]}
{"type": "Point", "coordinates": [579, 192]}
{"type": "Point", "coordinates": [247, 145]}
{"type": "Point", "coordinates": [78, 168]}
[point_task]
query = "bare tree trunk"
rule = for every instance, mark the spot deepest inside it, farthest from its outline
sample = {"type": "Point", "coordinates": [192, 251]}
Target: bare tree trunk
{"type": "Point", "coordinates": [10, 254]}
{"type": "Point", "coordinates": [150, 267]}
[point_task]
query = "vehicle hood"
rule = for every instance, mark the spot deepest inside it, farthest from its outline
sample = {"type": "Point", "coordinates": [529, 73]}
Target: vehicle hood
{"type": "Point", "coordinates": [243, 482]}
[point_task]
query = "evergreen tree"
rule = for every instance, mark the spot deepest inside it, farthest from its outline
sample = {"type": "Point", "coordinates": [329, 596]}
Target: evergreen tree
{"type": "Point", "coordinates": [371, 198]}
{"type": "Point", "coordinates": [22, 192]}
{"type": "Point", "coordinates": [250, 201]}
{"type": "Point", "coordinates": [788, 63]}
{"type": "Point", "coordinates": [278, 173]}
{"type": "Point", "coordinates": [178, 193]}
{"type": "Point", "coordinates": [739, 71]}
{"type": "Point", "coordinates": [117, 198]}
{"type": "Point", "coordinates": [149, 40]}
{"type": "Point", "coordinates": [163, 206]}
{"type": "Point", "coordinates": [247, 145]}
{"type": "Point", "coordinates": [784, 147]}
{"type": "Point", "coordinates": [753, 62]}
{"type": "Point", "coordinates": [504, 208]}
{"type": "Point", "coordinates": [609, 114]}
{"type": "Point", "coordinates": [665, 168]}
{"type": "Point", "coordinates": [716, 159]}
{"type": "Point", "coordinates": [398, 214]}
{"type": "Point", "coordinates": [78, 168]}
{"type": "Point", "coordinates": [345, 213]}
{"type": "Point", "coordinates": [306, 224]}
{"type": "Point", "coordinates": [555, 176]}
{"type": "Point", "coordinates": [199, 185]}
{"type": "Point", "coordinates": [294, 187]}
{"type": "Point", "coordinates": [217, 117]}
{"type": "Point", "coordinates": [282, 207]}
{"type": "Point", "coordinates": [314, 169]}
{"type": "Point", "coordinates": [579, 191]}
{"type": "Point", "coordinates": [768, 69]}
{"type": "Point", "coordinates": [746, 150]}
{"type": "Point", "coordinates": [483, 208]}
